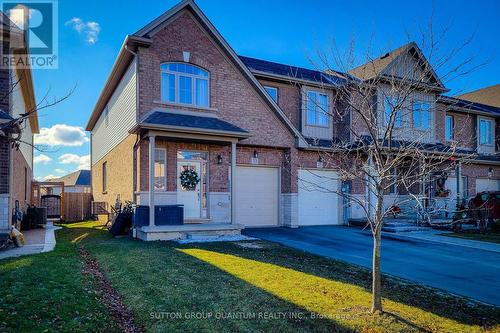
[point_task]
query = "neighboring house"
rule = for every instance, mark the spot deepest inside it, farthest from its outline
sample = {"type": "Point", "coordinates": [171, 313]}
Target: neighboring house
{"type": "Point", "coordinates": [75, 182]}
{"type": "Point", "coordinates": [180, 100]}
{"type": "Point", "coordinates": [16, 164]}
{"type": "Point", "coordinates": [488, 95]}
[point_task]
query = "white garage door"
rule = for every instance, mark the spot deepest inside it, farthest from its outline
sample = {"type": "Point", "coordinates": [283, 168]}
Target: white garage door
{"type": "Point", "coordinates": [317, 204]}
{"type": "Point", "coordinates": [487, 185]}
{"type": "Point", "coordinates": [256, 196]}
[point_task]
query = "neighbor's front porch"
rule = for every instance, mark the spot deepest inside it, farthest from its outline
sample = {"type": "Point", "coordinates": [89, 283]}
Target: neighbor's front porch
{"type": "Point", "coordinates": [192, 167]}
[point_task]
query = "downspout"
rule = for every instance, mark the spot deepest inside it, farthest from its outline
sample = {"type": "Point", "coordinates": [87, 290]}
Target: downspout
{"type": "Point", "coordinates": [134, 161]}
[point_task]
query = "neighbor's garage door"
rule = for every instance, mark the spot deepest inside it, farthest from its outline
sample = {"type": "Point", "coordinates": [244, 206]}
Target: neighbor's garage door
{"type": "Point", "coordinates": [317, 204]}
{"type": "Point", "coordinates": [487, 185]}
{"type": "Point", "coordinates": [256, 196]}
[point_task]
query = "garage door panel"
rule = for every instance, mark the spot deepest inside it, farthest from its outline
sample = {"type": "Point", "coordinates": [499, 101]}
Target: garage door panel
{"type": "Point", "coordinates": [256, 196]}
{"type": "Point", "coordinates": [318, 204]}
{"type": "Point", "coordinates": [487, 185]}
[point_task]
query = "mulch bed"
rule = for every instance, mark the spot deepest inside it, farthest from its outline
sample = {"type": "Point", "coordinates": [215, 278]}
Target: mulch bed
{"type": "Point", "coordinates": [109, 296]}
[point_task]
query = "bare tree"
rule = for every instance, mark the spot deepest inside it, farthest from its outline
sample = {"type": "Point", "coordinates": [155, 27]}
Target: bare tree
{"type": "Point", "coordinates": [386, 138]}
{"type": "Point", "coordinates": [11, 130]}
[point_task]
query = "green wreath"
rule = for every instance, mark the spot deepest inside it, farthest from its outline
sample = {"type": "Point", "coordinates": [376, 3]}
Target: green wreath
{"type": "Point", "coordinates": [189, 179]}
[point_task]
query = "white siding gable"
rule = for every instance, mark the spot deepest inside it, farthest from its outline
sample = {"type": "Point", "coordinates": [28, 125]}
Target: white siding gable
{"type": "Point", "coordinates": [117, 118]}
{"type": "Point", "coordinates": [18, 107]}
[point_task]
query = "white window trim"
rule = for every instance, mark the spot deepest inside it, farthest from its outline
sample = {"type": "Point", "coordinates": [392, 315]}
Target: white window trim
{"type": "Point", "coordinates": [272, 88]}
{"type": "Point", "coordinates": [492, 132]}
{"type": "Point", "coordinates": [165, 176]}
{"type": "Point", "coordinates": [306, 99]}
{"type": "Point", "coordinates": [394, 190]}
{"type": "Point", "coordinates": [452, 129]}
{"type": "Point", "coordinates": [420, 128]}
{"type": "Point", "coordinates": [193, 85]}
{"type": "Point", "coordinates": [399, 115]}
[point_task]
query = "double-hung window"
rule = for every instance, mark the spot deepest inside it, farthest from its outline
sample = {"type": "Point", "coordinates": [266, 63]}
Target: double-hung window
{"type": "Point", "coordinates": [421, 115]}
{"type": "Point", "coordinates": [160, 174]}
{"type": "Point", "coordinates": [184, 84]}
{"type": "Point", "coordinates": [448, 128]}
{"type": "Point", "coordinates": [485, 132]}
{"type": "Point", "coordinates": [273, 92]}
{"type": "Point", "coordinates": [391, 109]}
{"type": "Point", "coordinates": [317, 109]}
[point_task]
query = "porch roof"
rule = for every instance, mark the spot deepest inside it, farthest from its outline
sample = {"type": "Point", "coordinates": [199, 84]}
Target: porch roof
{"type": "Point", "coordinates": [190, 123]}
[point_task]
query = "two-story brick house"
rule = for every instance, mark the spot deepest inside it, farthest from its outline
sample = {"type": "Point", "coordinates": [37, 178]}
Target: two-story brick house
{"type": "Point", "coordinates": [179, 101]}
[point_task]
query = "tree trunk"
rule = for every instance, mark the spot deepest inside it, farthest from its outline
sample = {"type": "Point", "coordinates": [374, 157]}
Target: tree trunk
{"type": "Point", "coordinates": [376, 285]}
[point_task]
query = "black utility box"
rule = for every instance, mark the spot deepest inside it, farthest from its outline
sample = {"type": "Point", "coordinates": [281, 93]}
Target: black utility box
{"type": "Point", "coordinates": [164, 215]}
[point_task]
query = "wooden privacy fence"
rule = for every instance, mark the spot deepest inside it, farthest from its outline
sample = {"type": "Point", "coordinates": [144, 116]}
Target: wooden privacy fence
{"type": "Point", "coordinates": [77, 206]}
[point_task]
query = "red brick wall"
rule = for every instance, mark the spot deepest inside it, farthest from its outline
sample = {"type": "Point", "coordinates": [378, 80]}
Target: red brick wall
{"type": "Point", "coordinates": [474, 171]}
{"type": "Point", "coordinates": [289, 99]}
{"type": "Point", "coordinates": [464, 127]}
{"type": "Point", "coordinates": [218, 173]}
{"type": "Point", "coordinates": [234, 99]}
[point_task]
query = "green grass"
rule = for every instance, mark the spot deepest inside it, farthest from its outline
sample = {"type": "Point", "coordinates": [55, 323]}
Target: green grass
{"type": "Point", "coordinates": [47, 292]}
{"type": "Point", "coordinates": [266, 289]}
{"type": "Point", "coordinates": [490, 237]}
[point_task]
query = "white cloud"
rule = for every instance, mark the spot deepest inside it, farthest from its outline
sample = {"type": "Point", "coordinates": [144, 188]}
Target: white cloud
{"type": "Point", "coordinates": [41, 159]}
{"type": "Point", "coordinates": [61, 135]}
{"type": "Point", "coordinates": [83, 162]}
{"type": "Point", "coordinates": [60, 171]}
{"type": "Point", "coordinates": [90, 29]}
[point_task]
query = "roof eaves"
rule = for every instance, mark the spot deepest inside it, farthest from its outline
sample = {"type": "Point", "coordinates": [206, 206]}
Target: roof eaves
{"type": "Point", "coordinates": [117, 71]}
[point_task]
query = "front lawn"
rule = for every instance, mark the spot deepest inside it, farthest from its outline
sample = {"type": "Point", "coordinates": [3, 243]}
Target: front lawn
{"type": "Point", "coordinates": [490, 237]}
{"type": "Point", "coordinates": [222, 287]}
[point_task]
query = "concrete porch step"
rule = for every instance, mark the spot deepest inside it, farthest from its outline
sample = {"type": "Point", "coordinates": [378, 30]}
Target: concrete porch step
{"type": "Point", "coordinates": [191, 231]}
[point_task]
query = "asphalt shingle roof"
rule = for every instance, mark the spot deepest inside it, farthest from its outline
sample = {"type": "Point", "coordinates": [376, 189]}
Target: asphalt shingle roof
{"type": "Point", "coordinates": [488, 95]}
{"type": "Point", "coordinates": [80, 177]}
{"type": "Point", "coordinates": [458, 102]}
{"type": "Point", "coordinates": [190, 121]}
{"type": "Point", "coordinates": [292, 72]}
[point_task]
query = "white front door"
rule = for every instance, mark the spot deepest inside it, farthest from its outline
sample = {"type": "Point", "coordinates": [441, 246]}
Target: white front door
{"type": "Point", "coordinates": [189, 197]}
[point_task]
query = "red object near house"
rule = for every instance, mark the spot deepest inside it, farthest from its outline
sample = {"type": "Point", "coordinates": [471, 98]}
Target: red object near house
{"type": "Point", "coordinates": [489, 201]}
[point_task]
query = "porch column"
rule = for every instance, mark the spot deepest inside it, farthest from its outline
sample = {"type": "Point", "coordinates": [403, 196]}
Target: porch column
{"type": "Point", "coordinates": [233, 176]}
{"type": "Point", "coordinates": [151, 180]}
{"type": "Point", "coordinates": [458, 174]}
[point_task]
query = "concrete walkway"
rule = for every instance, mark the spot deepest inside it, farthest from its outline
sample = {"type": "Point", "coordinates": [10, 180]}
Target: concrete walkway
{"type": "Point", "coordinates": [36, 241]}
{"type": "Point", "coordinates": [462, 269]}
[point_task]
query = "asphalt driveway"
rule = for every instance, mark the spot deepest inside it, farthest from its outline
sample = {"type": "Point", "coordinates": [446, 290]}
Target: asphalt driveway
{"type": "Point", "coordinates": [460, 270]}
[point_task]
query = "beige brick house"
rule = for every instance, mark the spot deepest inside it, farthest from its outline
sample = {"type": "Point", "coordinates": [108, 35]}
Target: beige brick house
{"type": "Point", "coordinates": [179, 101]}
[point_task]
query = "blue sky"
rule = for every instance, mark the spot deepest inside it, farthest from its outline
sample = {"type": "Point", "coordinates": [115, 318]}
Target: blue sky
{"type": "Point", "coordinates": [91, 33]}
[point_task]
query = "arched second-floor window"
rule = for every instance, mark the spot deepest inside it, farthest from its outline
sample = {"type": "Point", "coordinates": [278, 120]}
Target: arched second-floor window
{"type": "Point", "coordinates": [185, 84]}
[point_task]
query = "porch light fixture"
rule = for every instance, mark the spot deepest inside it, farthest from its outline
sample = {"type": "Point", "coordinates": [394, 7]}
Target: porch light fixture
{"type": "Point", "coordinates": [490, 172]}
{"type": "Point", "coordinates": [319, 163]}
{"type": "Point", "coordinates": [219, 159]}
{"type": "Point", "coordinates": [255, 158]}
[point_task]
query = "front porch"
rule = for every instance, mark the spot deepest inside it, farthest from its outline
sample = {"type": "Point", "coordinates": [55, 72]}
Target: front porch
{"type": "Point", "coordinates": [188, 231]}
{"type": "Point", "coordinates": [191, 161]}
